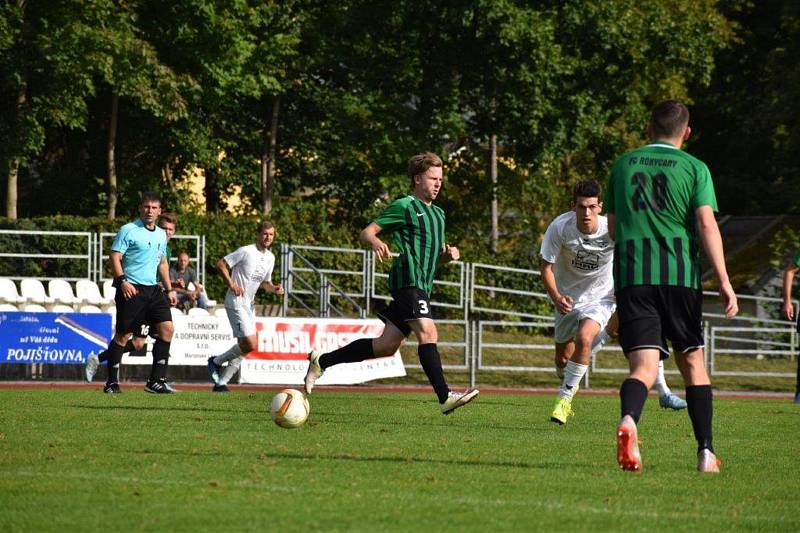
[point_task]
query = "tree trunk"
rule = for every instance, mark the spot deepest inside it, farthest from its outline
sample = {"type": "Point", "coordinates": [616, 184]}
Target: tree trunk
{"type": "Point", "coordinates": [268, 159]}
{"type": "Point", "coordinates": [493, 175]}
{"type": "Point", "coordinates": [112, 164]}
{"type": "Point", "coordinates": [211, 190]}
{"type": "Point", "coordinates": [13, 170]}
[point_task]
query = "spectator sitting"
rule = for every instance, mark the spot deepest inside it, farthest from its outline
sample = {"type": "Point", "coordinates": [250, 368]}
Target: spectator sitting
{"type": "Point", "coordinates": [182, 275]}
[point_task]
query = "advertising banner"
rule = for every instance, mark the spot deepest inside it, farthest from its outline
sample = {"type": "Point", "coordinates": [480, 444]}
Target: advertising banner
{"type": "Point", "coordinates": [284, 343]}
{"type": "Point", "coordinates": [53, 338]}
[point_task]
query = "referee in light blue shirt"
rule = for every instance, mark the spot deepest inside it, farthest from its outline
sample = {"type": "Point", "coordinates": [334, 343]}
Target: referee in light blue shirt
{"type": "Point", "coordinates": [138, 254]}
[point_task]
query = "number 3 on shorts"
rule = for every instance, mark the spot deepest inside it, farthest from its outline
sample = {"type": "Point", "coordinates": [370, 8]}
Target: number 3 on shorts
{"type": "Point", "coordinates": [423, 307]}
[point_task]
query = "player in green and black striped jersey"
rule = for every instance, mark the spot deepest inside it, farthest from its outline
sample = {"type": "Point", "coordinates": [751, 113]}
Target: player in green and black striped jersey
{"type": "Point", "coordinates": [660, 203]}
{"type": "Point", "coordinates": [418, 230]}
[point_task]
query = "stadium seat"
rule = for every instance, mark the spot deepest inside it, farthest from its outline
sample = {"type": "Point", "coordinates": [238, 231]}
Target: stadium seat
{"type": "Point", "coordinates": [62, 308]}
{"type": "Point", "coordinates": [60, 291]}
{"type": "Point", "coordinates": [88, 291]}
{"type": "Point", "coordinates": [8, 292]}
{"type": "Point", "coordinates": [108, 290]}
{"type": "Point", "coordinates": [33, 291]}
{"type": "Point", "coordinates": [176, 313]}
{"type": "Point", "coordinates": [90, 309]}
{"type": "Point", "coordinates": [34, 308]}
{"type": "Point", "coordinates": [197, 311]}
{"type": "Point", "coordinates": [8, 307]}
{"type": "Point", "coordinates": [220, 311]}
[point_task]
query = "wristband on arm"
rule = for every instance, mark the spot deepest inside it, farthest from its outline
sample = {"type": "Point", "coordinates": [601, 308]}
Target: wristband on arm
{"type": "Point", "coordinates": [118, 281]}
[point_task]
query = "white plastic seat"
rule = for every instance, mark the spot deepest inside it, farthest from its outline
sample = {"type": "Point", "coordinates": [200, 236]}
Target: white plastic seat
{"type": "Point", "coordinates": [33, 291]}
{"type": "Point", "coordinates": [60, 291]}
{"type": "Point", "coordinates": [220, 311]}
{"type": "Point", "coordinates": [175, 313]}
{"type": "Point", "coordinates": [62, 308]}
{"type": "Point", "coordinates": [90, 309]}
{"type": "Point", "coordinates": [109, 290]}
{"type": "Point", "coordinates": [88, 291]}
{"type": "Point", "coordinates": [8, 292]}
{"type": "Point", "coordinates": [8, 307]}
{"type": "Point", "coordinates": [34, 308]}
{"type": "Point", "coordinates": [197, 311]}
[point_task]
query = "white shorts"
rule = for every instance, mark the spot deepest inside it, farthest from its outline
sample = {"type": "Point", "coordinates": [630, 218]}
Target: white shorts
{"type": "Point", "coordinates": [242, 319]}
{"type": "Point", "coordinates": [566, 326]}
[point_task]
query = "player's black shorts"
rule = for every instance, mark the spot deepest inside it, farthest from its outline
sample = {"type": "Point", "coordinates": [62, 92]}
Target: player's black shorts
{"type": "Point", "coordinates": [651, 315]}
{"type": "Point", "coordinates": [408, 303]}
{"type": "Point", "coordinates": [143, 311]}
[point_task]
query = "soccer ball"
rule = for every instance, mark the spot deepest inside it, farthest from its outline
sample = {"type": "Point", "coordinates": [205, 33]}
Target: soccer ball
{"type": "Point", "coordinates": [289, 408]}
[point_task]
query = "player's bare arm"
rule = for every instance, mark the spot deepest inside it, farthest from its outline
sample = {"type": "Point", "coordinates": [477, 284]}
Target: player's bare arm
{"type": "Point", "coordinates": [126, 287]}
{"type": "Point", "coordinates": [712, 243]}
{"type": "Point", "coordinates": [274, 288]}
{"type": "Point", "coordinates": [163, 270]}
{"type": "Point", "coordinates": [225, 273]}
{"type": "Point", "coordinates": [562, 303]}
{"type": "Point", "coordinates": [788, 279]}
{"type": "Point", "coordinates": [612, 225]}
{"type": "Point", "coordinates": [369, 236]}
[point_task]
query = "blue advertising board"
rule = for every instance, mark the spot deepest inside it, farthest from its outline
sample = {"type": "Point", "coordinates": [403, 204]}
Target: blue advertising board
{"type": "Point", "coordinates": [53, 338]}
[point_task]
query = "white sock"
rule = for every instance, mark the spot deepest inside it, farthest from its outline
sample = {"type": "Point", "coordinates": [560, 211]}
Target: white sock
{"type": "Point", "coordinates": [599, 340]}
{"type": "Point", "coordinates": [232, 353]}
{"type": "Point", "coordinates": [229, 371]}
{"type": "Point", "coordinates": [573, 373]}
{"type": "Point", "coordinates": [661, 383]}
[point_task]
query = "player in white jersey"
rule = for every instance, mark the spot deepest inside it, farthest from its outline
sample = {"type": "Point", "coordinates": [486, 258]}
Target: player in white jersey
{"type": "Point", "coordinates": [244, 271]}
{"type": "Point", "coordinates": [577, 261]}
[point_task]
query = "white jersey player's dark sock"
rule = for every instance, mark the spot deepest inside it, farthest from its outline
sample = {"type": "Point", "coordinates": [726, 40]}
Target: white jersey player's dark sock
{"type": "Point", "coordinates": [632, 394]}
{"type": "Point", "coordinates": [432, 365]}
{"type": "Point", "coordinates": [358, 350]}
{"type": "Point", "coordinates": [700, 400]}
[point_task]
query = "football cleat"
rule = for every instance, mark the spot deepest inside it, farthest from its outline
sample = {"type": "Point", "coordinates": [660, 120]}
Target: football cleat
{"type": "Point", "coordinates": [220, 388]}
{"type": "Point", "coordinates": [628, 455]}
{"type": "Point", "coordinates": [158, 387]}
{"type": "Point", "coordinates": [314, 370]}
{"type": "Point", "coordinates": [457, 399]}
{"type": "Point", "coordinates": [112, 388]}
{"type": "Point", "coordinates": [707, 461]}
{"type": "Point", "coordinates": [213, 370]}
{"type": "Point", "coordinates": [90, 368]}
{"type": "Point", "coordinates": [169, 386]}
{"type": "Point", "coordinates": [672, 401]}
{"type": "Point", "coordinates": [562, 411]}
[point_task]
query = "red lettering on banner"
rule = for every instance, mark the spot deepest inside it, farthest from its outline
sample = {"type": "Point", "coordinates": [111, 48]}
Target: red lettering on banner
{"type": "Point", "coordinates": [292, 340]}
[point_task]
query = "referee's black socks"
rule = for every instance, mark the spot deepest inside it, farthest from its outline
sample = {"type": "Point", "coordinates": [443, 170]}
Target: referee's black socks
{"type": "Point", "coordinates": [114, 358]}
{"type": "Point", "coordinates": [160, 360]}
{"type": "Point", "coordinates": [432, 365]}
{"type": "Point", "coordinates": [699, 399]}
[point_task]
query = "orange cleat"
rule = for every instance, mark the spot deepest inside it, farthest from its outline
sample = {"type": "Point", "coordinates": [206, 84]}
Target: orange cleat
{"type": "Point", "coordinates": [628, 445]}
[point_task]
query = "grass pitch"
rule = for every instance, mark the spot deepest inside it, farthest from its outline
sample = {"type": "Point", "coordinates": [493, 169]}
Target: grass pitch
{"type": "Point", "coordinates": [76, 459]}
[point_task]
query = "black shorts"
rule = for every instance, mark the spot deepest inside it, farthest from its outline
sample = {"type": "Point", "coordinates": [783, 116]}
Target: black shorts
{"type": "Point", "coordinates": [651, 315]}
{"type": "Point", "coordinates": [408, 303]}
{"type": "Point", "coordinates": [139, 314]}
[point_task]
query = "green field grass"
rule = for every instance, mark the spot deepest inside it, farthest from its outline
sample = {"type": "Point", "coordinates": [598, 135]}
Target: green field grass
{"type": "Point", "coordinates": [78, 460]}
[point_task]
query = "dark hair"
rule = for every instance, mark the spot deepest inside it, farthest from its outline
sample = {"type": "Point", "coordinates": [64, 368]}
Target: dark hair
{"type": "Point", "coordinates": [669, 118]}
{"type": "Point", "coordinates": [420, 163]}
{"type": "Point", "coordinates": [587, 189]}
{"type": "Point", "coordinates": [265, 224]}
{"type": "Point", "coordinates": [149, 196]}
{"type": "Point", "coordinates": [168, 217]}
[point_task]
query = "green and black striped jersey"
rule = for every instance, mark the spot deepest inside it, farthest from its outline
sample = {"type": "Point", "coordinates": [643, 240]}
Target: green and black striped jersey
{"type": "Point", "coordinates": [654, 192]}
{"type": "Point", "coordinates": [418, 232]}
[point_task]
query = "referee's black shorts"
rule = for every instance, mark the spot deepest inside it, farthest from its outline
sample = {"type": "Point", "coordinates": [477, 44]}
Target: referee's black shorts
{"type": "Point", "coordinates": [651, 315]}
{"type": "Point", "coordinates": [148, 308]}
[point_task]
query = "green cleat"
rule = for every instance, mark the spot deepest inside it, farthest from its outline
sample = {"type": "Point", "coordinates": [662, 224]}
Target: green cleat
{"type": "Point", "coordinates": [562, 411]}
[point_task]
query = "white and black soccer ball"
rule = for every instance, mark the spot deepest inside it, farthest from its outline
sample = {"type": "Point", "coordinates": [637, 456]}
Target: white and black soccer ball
{"type": "Point", "coordinates": [289, 408]}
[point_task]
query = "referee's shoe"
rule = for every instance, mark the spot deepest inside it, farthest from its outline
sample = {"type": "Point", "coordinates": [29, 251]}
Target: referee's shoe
{"type": "Point", "coordinates": [158, 387]}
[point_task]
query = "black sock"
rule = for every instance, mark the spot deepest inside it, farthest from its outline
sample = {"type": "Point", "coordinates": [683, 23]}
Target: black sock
{"type": "Point", "coordinates": [701, 410]}
{"type": "Point", "coordinates": [103, 356]}
{"type": "Point", "coordinates": [129, 346]}
{"type": "Point", "coordinates": [632, 394]}
{"type": "Point", "coordinates": [432, 365]}
{"type": "Point", "coordinates": [114, 358]}
{"type": "Point", "coordinates": [160, 360]}
{"type": "Point", "coordinates": [356, 351]}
